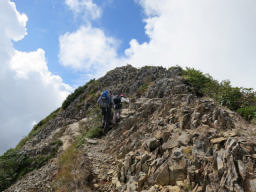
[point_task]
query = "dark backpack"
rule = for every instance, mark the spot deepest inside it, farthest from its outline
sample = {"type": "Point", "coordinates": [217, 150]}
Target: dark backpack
{"type": "Point", "coordinates": [117, 102]}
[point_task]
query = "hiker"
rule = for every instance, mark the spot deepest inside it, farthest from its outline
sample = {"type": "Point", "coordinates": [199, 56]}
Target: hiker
{"type": "Point", "coordinates": [104, 103]}
{"type": "Point", "coordinates": [117, 105]}
{"type": "Point", "coordinates": [124, 99]}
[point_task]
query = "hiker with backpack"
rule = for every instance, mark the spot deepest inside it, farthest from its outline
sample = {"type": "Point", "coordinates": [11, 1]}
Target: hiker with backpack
{"type": "Point", "coordinates": [105, 104]}
{"type": "Point", "coordinates": [124, 99]}
{"type": "Point", "coordinates": [117, 105]}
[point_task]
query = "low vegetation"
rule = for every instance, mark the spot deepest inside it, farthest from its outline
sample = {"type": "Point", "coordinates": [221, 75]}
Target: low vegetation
{"type": "Point", "coordinates": [249, 113]}
{"type": "Point", "coordinates": [74, 171]}
{"type": "Point", "coordinates": [66, 164]}
{"type": "Point", "coordinates": [14, 164]}
{"type": "Point", "coordinates": [142, 89]}
{"type": "Point", "coordinates": [239, 99]}
{"type": "Point", "coordinates": [91, 129]}
{"type": "Point", "coordinates": [146, 83]}
{"type": "Point", "coordinates": [91, 85]}
{"type": "Point", "coordinates": [42, 124]}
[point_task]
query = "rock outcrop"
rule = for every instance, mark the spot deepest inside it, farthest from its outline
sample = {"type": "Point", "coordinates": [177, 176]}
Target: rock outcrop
{"type": "Point", "coordinates": [168, 140]}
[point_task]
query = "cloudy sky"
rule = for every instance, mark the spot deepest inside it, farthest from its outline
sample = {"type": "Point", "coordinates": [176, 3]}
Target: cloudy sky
{"type": "Point", "coordinates": [48, 48]}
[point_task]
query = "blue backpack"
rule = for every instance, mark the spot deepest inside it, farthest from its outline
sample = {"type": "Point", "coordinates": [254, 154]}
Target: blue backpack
{"type": "Point", "coordinates": [104, 101]}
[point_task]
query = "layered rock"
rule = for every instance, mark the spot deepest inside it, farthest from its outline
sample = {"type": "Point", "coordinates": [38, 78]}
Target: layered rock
{"type": "Point", "coordinates": [192, 145]}
{"type": "Point", "coordinates": [168, 139]}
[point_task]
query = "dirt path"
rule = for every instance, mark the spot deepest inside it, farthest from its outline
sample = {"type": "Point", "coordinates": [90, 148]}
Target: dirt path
{"type": "Point", "coordinates": [103, 163]}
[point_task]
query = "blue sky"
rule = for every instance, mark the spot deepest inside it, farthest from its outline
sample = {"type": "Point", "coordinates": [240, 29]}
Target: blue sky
{"type": "Point", "coordinates": [50, 47]}
{"type": "Point", "coordinates": [49, 19]}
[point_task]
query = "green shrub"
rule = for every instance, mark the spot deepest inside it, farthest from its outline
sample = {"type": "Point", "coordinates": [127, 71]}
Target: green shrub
{"type": "Point", "coordinates": [238, 99]}
{"type": "Point", "coordinates": [175, 67]}
{"type": "Point", "coordinates": [231, 96]}
{"type": "Point", "coordinates": [142, 89]}
{"type": "Point", "coordinates": [253, 121]}
{"type": "Point", "coordinates": [94, 132]}
{"type": "Point", "coordinates": [11, 164]}
{"type": "Point", "coordinates": [92, 128]}
{"type": "Point", "coordinates": [248, 113]}
{"type": "Point", "coordinates": [202, 84]}
{"type": "Point", "coordinates": [147, 67]}
{"type": "Point", "coordinates": [71, 173]}
{"type": "Point", "coordinates": [92, 85]}
{"type": "Point", "coordinates": [91, 133]}
{"type": "Point", "coordinates": [14, 164]}
{"type": "Point", "coordinates": [72, 97]}
{"type": "Point", "coordinates": [249, 97]}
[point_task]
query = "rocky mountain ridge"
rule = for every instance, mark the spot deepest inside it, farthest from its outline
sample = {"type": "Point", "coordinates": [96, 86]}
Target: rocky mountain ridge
{"type": "Point", "coordinates": [169, 139]}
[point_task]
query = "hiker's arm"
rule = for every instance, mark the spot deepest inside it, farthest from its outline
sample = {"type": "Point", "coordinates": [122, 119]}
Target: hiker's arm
{"type": "Point", "coordinates": [125, 100]}
{"type": "Point", "coordinates": [98, 100]}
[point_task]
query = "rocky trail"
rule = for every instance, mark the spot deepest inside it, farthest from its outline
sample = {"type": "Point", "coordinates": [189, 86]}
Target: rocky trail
{"type": "Point", "coordinates": [102, 163]}
{"type": "Point", "coordinates": [168, 139]}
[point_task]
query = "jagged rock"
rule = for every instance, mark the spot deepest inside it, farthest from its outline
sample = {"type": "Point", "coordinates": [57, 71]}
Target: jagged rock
{"type": "Point", "coordinates": [162, 135]}
{"type": "Point", "coordinates": [132, 185]}
{"type": "Point", "coordinates": [201, 145]}
{"type": "Point", "coordinates": [152, 144]}
{"type": "Point", "coordinates": [183, 139]}
{"type": "Point", "coordinates": [144, 158]}
{"type": "Point", "coordinates": [172, 189]}
{"type": "Point", "coordinates": [171, 143]}
{"type": "Point", "coordinates": [241, 169]}
{"type": "Point", "coordinates": [198, 189]}
{"type": "Point", "coordinates": [162, 175]}
{"type": "Point", "coordinates": [250, 185]}
{"type": "Point", "coordinates": [91, 141]}
{"type": "Point", "coordinates": [116, 182]}
{"type": "Point", "coordinates": [184, 123]}
{"type": "Point", "coordinates": [177, 154]}
{"type": "Point", "coordinates": [210, 188]}
{"type": "Point", "coordinates": [152, 189]}
{"type": "Point", "coordinates": [142, 178]}
{"type": "Point", "coordinates": [167, 136]}
{"type": "Point", "coordinates": [177, 167]}
{"type": "Point", "coordinates": [177, 171]}
{"type": "Point", "coordinates": [218, 140]}
{"type": "Point", "coordinates": [220, 163]}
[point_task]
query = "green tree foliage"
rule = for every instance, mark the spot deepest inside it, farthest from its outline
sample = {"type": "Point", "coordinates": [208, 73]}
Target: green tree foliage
{"type": "Point", "coordinates": [242, 100]}
{"type": "Point", "coordinates": [201, 83]}
{"type": "Point", "coordinates": [230, 96]}
{"type": "Point", "coordinates": [249, 113]}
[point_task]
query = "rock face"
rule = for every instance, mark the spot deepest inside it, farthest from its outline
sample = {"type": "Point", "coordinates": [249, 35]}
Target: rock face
{"type": "Point", "coordinates": [199, 158]}
{"type": "Point", "coordinates": [168, 139]}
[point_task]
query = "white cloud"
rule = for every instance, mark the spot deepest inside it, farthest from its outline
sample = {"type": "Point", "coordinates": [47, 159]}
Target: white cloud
{"type": "Point", "coordinates": [87, 49]}
{"type": "Point", "coordinates": [12, 27]}
{"type": "Point", "coordinates": [32, 66]}
{"type": "Point", "coordinates": [214, 36]}
{"type": "Point", "coordinates": [29, 91]}
{"type": "Point", "coordinates": [85, 7]}
{"type": "Point", "coordinates": [24, 63]}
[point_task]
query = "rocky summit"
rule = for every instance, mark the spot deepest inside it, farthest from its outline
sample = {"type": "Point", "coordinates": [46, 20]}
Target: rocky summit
{"type": "Point", "coordinates": [168, 139]}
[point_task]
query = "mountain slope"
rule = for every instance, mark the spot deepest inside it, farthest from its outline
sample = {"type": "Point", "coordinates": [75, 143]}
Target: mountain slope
{"type": "Point", "coordinates": [169, 139]}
